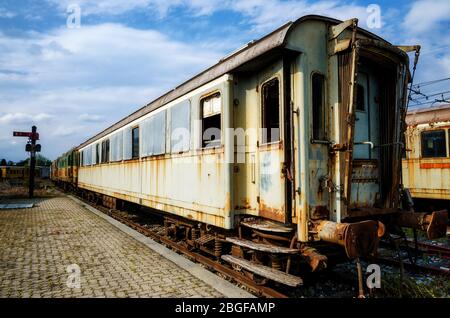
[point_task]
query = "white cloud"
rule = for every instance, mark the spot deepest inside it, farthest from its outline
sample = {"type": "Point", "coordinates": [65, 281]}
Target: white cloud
{"type": "Point", "coordinates": [6, 14]}
{"type": "Point", "coordinates": [24, 118]}
{"type": "Point", "coordinates": [87, 79]}
{"type": "Point", "coordinates": [262, 14]}
{"type": "Point", "coordinates": [426, 23]}
{"type": "Point", "coordinates": [91, 118]}
{"type": "Point", "coordinates": [268, 14]}
{"type": "Point", "coordinates": [424, 16]}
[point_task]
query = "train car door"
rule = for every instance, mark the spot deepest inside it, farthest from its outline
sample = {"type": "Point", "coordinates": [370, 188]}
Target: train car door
{"type": "Point", "coordinates": [365, 176]}
{"type": "Point", "coordinates": [271, 199]}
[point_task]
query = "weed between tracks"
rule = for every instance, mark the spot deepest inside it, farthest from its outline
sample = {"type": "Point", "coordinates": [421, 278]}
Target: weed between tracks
{"type": "Point", "coordinates": [394, 287]}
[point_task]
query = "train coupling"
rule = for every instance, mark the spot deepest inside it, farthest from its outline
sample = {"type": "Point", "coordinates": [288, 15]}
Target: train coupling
{"type": "Point", "coordinates": [359, 239]}
{"type": "Point", "coordinates": [434, 224]}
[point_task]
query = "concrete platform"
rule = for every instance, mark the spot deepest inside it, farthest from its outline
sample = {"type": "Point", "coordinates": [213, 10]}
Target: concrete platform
{"type": "Point", "coordinates": [63, 248]}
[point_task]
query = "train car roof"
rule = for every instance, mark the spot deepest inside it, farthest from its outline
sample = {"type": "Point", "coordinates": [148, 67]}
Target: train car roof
{"type": "Point", "coordinates": [275, 39]}
{"type": "Point", "coordinates": [426, 115]}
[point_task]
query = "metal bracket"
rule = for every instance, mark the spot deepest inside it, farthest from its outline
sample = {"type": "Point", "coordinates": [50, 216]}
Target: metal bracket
{"type": "Point", "coordinates": [336, 30]}
{"type": "Point", "coordinates": [335, 46]}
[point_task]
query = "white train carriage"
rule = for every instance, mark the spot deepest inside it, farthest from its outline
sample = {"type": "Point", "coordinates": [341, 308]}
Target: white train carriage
{"type": "Point", "coordinates": [300, 130]}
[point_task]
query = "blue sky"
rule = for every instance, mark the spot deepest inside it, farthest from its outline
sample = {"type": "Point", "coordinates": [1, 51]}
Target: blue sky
{"type": "Point", "coordinates": [72, 83]}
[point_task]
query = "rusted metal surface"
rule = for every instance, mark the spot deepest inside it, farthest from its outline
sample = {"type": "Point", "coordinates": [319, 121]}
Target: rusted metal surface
{"type": "Point", "coordinates": [429, 248]}
{"type": "Point", "coordinates": [265, 225]}
{"type": "Point", "coordinates": [264, 271]}
{"type": "Point", "coordinates": [261, 247]}
{"type": "Point", "coordinates": [426, 178]}
{"type": "Point", "coordinates": [359, 239]}
{"type": "Point", "coordinates": [349, 113]}
{"type": "Point", "coordinates": [435, 224]}
{"type": "Point", "coordinates": [316, 260]}
{"type": "Point", "coordinates": [416, 267]}
{"type": "Point", "coordinates": [428, 115]}
{"type": "Point", "coordinates": [365, 180]}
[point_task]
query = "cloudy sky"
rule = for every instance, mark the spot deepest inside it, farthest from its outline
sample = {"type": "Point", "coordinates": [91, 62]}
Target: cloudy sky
{"type": "Point", "coordinates": [74, 82]}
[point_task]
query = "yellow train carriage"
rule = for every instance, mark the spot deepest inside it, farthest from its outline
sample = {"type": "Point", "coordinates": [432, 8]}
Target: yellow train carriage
{"type": "Point", "coordinates": [426, 168]}
{"type": "Point", "coordinates": [64, 170]}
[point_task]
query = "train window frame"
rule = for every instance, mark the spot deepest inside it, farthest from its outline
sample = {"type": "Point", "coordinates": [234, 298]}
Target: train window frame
{"type": "Point", "coordinates": [97, 153]}
{"type": "Point", "coordinates": [322, 135]}
{"type": "Point", "coordinates": [422, 141]}
{"type": "Point", "coordinates": [105, 151]}
{"type": "Point", "coordinates": [360, 99]}
{"type": "Point", "coordinates": [135, 154]}
{"type": "Point", "coordinates": [170, 127]}
{"type": "Point", "coordinates": [216, 143]}
{"type": "Point", "coordinates": [266, 135]}
{"type": "Point", "coordinates": [448, 142]}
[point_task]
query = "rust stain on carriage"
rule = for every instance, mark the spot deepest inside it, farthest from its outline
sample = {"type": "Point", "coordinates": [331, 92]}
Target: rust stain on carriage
{"type": "Point", "coordinates": [246, 205]}
{"type": "Point", "coordinates": [320, 212]}
{"type": "Point", "coordinates": [271, 213]}
{"type": "Point", "coordinates": [435, 165]}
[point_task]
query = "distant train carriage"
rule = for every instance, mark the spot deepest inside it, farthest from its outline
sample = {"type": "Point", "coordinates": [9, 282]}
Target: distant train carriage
{"type": "Point", "coordinates": [426, 168]}
{"type": "Point", "coordinates": [64, 170]}
{"type": "Point", "coordinates": [13, 172]}
{"type": "Point", "coordinates": [17, 173]}
{"type": "Point", "coordinates": [320, 103]}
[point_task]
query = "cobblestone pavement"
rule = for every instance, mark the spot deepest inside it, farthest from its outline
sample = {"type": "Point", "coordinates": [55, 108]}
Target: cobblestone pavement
{"type": "Point", "coordinates": [37, 245]}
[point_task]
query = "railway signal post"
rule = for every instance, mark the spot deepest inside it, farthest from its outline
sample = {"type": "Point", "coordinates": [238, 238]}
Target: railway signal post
{"type": "Point", "coordinates": [32, 148]}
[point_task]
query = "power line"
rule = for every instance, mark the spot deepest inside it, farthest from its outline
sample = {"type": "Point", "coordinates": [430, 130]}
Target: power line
{"type": "Point", "coordinates": [426, 96]}
{"type": "Point", "coordinates": [430, 82]}
{"type": "Point", "coordinates": [444, 99]}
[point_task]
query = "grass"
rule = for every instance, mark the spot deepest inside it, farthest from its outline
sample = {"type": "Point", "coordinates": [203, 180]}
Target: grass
{"type": "Point", "coordinates": [394, 287]}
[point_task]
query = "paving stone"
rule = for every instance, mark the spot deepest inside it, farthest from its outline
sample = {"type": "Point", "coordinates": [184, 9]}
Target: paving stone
{"type": "Point", "coordinates": [38, 244]}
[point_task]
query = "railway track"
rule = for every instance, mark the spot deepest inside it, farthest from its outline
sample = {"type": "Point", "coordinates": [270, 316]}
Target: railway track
{"type": "Point", "coordinates": [442, 251]}
{"type": "Point", "coordinates": [212, 264]}
{"type": "Point", "coordinates": [429, 269]}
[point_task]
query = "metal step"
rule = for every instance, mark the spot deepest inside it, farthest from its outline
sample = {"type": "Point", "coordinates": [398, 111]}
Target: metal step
{"type": "Point", "coordinates": [205, 239]}
{"type": "Point", "coordinates": [262, 247]}
{"type": "Point", "coordinates": [264, 271]}
{"type": "Point", "coordinates": [265, 225]}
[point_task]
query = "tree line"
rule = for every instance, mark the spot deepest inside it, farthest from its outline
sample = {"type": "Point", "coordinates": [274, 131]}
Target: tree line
{"type": "Point", "coordinates": [40, 161]}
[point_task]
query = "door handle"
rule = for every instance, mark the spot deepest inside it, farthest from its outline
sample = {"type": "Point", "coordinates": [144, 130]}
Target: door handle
{"type": "Point", "coordinates": [252, 158]}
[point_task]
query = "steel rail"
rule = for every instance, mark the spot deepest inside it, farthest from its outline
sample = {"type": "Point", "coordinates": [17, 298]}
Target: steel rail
{"type": "Point", "coordinates": [442, 251]}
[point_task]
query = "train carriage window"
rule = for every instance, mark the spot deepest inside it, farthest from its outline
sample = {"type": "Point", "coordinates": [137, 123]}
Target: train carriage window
{"type": "Point", "coordinates": [153, 135]}
{"type": "Point", "coordinates": [318, 106]}
{"type": "Point", "coordinates": [180, 127]}
{"type": "Point", "coordinates": [117, 146]}
{"type": "Point", "coordinates": [210, 109]}
{"type": "Point", "coordinates": [158, 133]}
{"type": "Point", "coordinates": [270, 111]}
{"type": "Point", "coordinates": [97, 153]}
{"type": "Point", "coordinates": [433, 144]}
{"type": "Point", "coordinates": [135, 142]}
{"type": "Point", "coordinates": [360, 98]}
{"type": "Point", "coordinates": [105, 151]}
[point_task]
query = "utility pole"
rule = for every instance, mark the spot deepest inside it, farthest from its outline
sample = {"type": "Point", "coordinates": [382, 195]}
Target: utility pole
{"type": "Point", "coordinates": [32, 148]}
{"type": "Point", "coordinates": [32, 161]}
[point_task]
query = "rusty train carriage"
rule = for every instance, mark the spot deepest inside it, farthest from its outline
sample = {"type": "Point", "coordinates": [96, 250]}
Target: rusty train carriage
{"type": "Point", "coordinates": [426, 168]}
{"type": "Point", "coordinates": [336, 94]}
